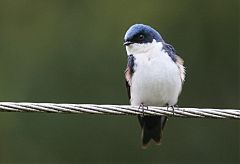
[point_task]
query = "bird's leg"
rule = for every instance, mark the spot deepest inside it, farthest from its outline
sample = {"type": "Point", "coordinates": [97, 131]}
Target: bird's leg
{"type": "Point", "coordinates": [142, 106]}
{"type": "Point", "coordinates": [172, 106]}
{"type": "Point", "coordinates": [176, 106]}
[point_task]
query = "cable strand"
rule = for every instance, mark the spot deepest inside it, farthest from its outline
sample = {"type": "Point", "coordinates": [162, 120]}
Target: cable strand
{"type": "Point", "coordinates": [119, 110]}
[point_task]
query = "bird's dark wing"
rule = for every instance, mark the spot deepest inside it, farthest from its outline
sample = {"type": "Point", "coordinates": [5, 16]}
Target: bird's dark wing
{"type": "Point", "coordinates": [128, 74]}
{"type": "Point", "coordinates": [178, 60]}
{"type": "Point", "coordinates": [170, 50]}
{"type": "Point", "coordinates": [128, 82]}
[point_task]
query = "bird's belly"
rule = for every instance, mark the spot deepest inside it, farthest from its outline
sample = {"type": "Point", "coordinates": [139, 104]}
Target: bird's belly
{"type": "Point", "coordinates": [155, 83]}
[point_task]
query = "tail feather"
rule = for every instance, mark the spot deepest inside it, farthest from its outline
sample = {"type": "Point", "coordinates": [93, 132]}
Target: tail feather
{"type": "Point", "coordinates": [152, 127]}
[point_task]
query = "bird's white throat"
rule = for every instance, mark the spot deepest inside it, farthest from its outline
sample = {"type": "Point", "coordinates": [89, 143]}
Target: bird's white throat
{"type": "Point", "coordinates": [137, 48]}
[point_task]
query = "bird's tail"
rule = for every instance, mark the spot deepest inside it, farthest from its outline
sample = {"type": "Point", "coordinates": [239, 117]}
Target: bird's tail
{"type": "Point", "coordinates": [152, 128]}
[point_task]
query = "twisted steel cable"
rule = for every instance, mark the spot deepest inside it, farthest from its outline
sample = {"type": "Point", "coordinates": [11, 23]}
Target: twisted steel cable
{"type": "Point", "coordinates": [119, 110]}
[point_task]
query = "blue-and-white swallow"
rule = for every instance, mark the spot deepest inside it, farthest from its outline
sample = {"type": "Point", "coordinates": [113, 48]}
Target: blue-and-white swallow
{"type": "Point", "coordinates": [154, 76]}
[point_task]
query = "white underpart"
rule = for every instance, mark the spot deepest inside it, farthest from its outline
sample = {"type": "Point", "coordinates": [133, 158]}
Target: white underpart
{"type": "Point", "coordinates": [156, 80]}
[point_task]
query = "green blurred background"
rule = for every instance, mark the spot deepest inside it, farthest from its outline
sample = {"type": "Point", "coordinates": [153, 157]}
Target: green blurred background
{"type": "Point", "coordinates": [70, 51]}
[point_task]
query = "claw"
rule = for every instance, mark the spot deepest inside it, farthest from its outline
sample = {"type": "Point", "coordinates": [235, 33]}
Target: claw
{"type": "Point", "coordinates": [142, 106]}
{"type": "Point", "coordinates": [172, 106]}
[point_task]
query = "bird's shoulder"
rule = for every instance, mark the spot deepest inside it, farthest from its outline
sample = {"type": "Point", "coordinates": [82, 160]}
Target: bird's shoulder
{"type": "Point", "coordinates": [170, 50]}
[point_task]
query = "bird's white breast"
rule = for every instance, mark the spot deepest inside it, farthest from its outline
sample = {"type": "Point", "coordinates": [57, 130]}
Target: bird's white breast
{"type": "Point", "coordinates": [156, 80]}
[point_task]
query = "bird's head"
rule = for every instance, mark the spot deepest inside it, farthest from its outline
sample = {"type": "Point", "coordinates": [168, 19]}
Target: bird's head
{"type": "Point", "coordinates": [139, 38]}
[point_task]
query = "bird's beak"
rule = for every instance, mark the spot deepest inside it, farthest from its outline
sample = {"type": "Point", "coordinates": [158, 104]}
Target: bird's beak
{"type": "Point", "coordinates": [127, 43]}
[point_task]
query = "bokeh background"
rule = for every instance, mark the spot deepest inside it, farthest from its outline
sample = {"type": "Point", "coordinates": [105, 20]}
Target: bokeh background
{"type": "Point", "coordinates": [69, 51]}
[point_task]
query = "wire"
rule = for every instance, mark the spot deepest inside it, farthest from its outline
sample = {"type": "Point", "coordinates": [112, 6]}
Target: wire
{"type": "Point", "coordinates": [119, 110]}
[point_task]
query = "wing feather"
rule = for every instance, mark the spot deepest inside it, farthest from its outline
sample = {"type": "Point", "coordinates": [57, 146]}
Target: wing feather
{"type": "Point", "coordinates": [128, 74]}
{"type": "Point", "coordinates": [177, 59]}
{"type": "Point", "coordinates": [128, 78]}
{"type": "Point", "coordinates": [181, 68]}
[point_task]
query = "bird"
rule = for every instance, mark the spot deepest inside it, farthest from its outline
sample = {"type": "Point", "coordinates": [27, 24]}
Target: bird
{"type": "Point", "coordinates": [154, 77]}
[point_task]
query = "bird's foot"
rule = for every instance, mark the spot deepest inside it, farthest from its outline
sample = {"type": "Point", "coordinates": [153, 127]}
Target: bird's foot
{"type": "Point", "coordinates": [142, 106]}
{"type": "Point", "coordinates": [173, 107]}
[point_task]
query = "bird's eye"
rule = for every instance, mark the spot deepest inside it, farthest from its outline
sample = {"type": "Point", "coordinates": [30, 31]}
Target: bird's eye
{"type": "Point", "coordinates": [141, 37]}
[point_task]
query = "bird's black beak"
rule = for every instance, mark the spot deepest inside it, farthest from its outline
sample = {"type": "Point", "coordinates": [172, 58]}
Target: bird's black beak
{"type": "Point", "coordinates": [127, 43]}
